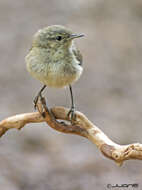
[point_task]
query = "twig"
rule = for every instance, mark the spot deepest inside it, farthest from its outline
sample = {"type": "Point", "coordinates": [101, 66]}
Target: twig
{"type": "Point", "coordinates": [82, 126]}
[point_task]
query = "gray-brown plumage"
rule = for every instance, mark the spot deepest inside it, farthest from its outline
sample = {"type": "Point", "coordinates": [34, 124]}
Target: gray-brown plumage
{"type": "Point", "coordinates": [54, 59]}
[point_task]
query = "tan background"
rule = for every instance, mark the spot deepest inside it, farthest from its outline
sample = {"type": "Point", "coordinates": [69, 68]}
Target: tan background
{"type": "Point", "coordinates": [109, 93]}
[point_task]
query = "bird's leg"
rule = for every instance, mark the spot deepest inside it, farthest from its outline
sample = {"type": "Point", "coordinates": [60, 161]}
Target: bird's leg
{"type": "Point", "coordinates": [42, 110]}
{"type": "Point", "coordinates": [38, 95]}
{"type": "Point", "coordinates": [71, 113]}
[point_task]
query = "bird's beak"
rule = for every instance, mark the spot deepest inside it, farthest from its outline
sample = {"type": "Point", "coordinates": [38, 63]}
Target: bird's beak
{"type": "Point", "coordinates": [72, 36]}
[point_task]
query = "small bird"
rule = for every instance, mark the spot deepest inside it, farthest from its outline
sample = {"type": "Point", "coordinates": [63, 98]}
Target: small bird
{"type": "Point", "coordinates": [55, 60]}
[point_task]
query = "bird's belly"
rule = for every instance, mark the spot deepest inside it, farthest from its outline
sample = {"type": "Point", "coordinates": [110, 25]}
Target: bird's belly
{"type": "Point", "coordinates": [57, 76]}
{"type": "Point", "coordinates": [59, 80]}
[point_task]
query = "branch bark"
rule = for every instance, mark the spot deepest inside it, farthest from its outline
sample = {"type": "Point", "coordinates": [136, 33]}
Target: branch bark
{"type": "Point", "coordinates": [82, 126]}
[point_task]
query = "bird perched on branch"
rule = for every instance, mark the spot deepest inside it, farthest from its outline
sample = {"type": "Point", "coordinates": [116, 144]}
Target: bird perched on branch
{"type": "Point", "coordinates": [55, 60]}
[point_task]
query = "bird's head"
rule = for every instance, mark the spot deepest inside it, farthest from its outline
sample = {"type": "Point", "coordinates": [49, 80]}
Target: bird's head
{"type": "Point", "coordinates": [54, 37]}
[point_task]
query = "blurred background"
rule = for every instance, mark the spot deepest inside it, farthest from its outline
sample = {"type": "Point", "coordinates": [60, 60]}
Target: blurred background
{"type": "Point", "coordinates": [109, 93]}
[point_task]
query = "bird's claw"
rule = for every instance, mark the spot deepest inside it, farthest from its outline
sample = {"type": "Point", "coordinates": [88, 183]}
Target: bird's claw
{"type": "Point", "coordinates": [71, 114]}
{"type": "Point", "coordinates": [36, 100]}
{"type": "Point", "coordinates": [43, 107]}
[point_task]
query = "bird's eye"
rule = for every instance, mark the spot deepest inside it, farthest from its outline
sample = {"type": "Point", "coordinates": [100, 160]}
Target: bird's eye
{"type": "Point", "coordinates": [59, 38]}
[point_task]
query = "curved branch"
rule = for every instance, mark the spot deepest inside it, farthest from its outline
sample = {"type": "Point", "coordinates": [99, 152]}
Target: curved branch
{"type": "Point", "coordinates": [82, 126]}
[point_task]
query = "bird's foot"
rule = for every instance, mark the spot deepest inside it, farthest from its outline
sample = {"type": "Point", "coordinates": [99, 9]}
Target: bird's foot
{"type": "Point", "coordinates": [36, 100]}
{"type": "Point", "coordinates": [71, 114]}
{"type": "Point", "coordinates": [40, 104]}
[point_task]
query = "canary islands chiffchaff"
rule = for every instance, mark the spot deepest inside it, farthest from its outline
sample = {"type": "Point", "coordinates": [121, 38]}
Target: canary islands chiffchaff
{"type": "Point", "coordinates": [54, 59]}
